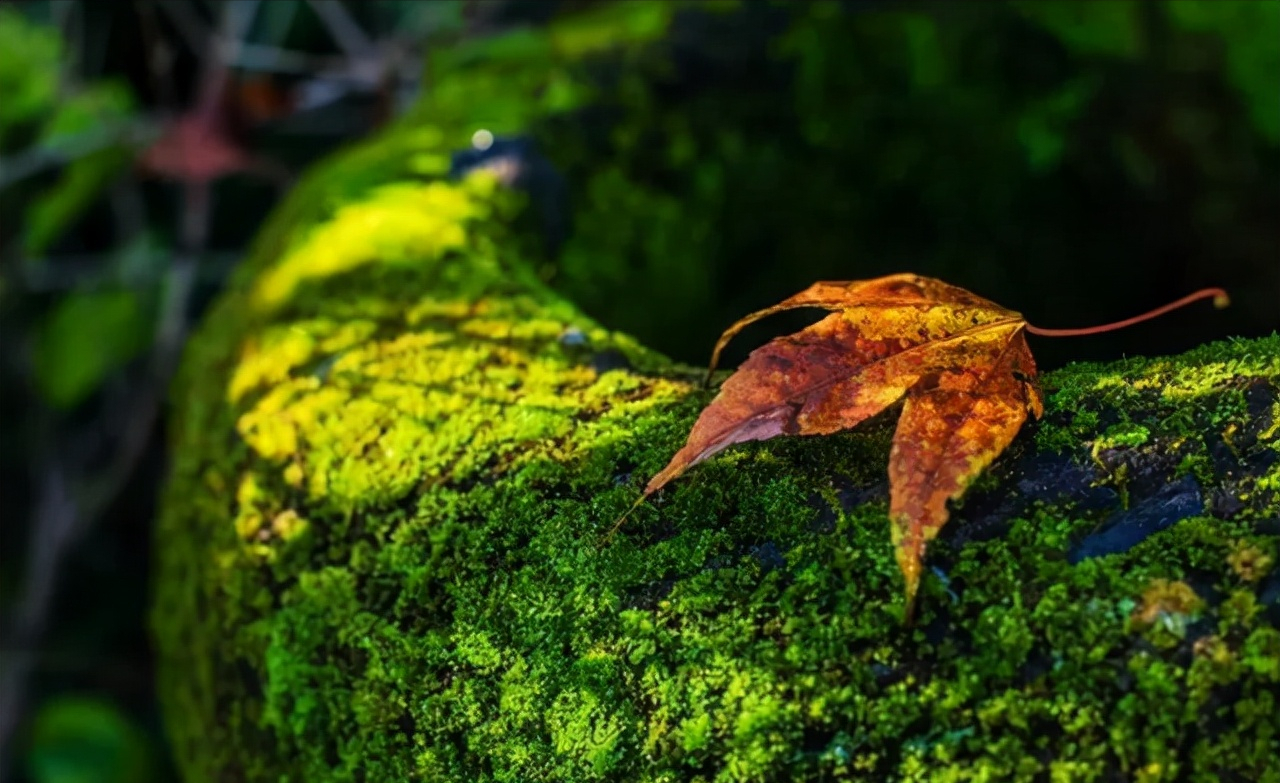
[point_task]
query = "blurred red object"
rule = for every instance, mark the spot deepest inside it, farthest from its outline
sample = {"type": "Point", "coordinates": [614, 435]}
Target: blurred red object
{"type": "Point", "coordinates": [194, 148]}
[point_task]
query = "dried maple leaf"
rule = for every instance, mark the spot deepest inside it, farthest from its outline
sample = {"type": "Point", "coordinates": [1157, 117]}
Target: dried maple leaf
{"type": "Point", "coordinates": [960, 362]}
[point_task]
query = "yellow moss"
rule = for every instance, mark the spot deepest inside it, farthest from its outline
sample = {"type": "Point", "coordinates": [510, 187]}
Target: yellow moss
{"type": "Point", "coordinates": [250, 492]}
{"type": "Point", "coordinates": [271, 427]}
{"type": "Point", "coordinates": [1208, 378]}
{"type": "Point", "coordinates": [1166, 608]}
{"type": "Point", "coordinates": [287, 525]}
{"type": "Point", "coordinates": [1249, 562]}
{"type": "Point", "coordinates": [1214, 650]}
{"type": "Point", "coordinates": [1270, 481]}
{"type": "Point", "coordinates": [269, 360]}
{"type": "Point", "coordinates": [293, 475]}
{"type": "Point", "coordinates": [449, 310]}
{"type": "Point", "coordinates": [248, 523]}
{"type": "Point", "coordinates": [1270, 432]}
{"type": "Point", "coordinates": [397, 224]}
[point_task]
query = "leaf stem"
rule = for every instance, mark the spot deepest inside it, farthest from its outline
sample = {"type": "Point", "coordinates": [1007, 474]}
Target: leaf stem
{"type": "Point", "coordinates": [1220, 300]}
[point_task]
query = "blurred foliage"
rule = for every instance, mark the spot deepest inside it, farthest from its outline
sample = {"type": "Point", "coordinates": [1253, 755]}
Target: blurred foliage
{"type": "Point", "coordinates": [505, 82]}
{"type": "Point", "coordinates": [101, 107]}
{"type": "Point", "coordinates": [88, 335]}
{"type": "Point", "coordinates": [72, 138]}
{"type": "Point", "coordinates": [1245, 33]}
{"type": "Point", "coordinates": [46, 116]}
{"type": "Point", "coordinates": [1110, 28]}
{"type": "Point", "coordinates": [29, 66]}
{"type": "Point", "coordinates": [87, 254]}
{"type": "Point", "coordinates": [86, 740]}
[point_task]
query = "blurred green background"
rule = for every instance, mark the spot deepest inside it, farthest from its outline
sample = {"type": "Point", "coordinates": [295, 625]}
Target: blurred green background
{"type": "Point", "coordinates": [1077, 161]}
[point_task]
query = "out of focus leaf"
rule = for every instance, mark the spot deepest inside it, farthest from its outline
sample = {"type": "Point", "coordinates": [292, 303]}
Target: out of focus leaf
{"type": "Point", "coordinates": [101, 108]}
{"type": "Point", "coordinates": [928, 62]}
{"type": "Point", "coordinates": [610, 25]}
{"type": "Point", "coordinates": [86, 337]}
{"type": "Point", "coordinates": [1107, 28]}
{"type": "Point", "coordinates": [52, 211]}
{"type": "Point", "coordinates": [1248, 30]}
{"type": "Point", "coordinates": [100, 105]}
{"type": "Point", "coordinates": [29, 56]}
{"type": "Point", "coordinates": [501, 82]}
{"type": "Point", "coordinates": [85, 740]}
{"type": "Point", "coordinates": [1043, 127]}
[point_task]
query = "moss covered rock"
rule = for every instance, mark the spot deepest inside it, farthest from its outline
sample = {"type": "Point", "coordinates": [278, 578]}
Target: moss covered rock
{"type": "Point", "coordinates": [397, 454]}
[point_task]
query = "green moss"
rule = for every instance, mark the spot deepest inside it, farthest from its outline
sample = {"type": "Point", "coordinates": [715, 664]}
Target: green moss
{"type": "Point", "coordinates": [1122, 435]}
{"type": "Point", "coordinates": [383, 552]}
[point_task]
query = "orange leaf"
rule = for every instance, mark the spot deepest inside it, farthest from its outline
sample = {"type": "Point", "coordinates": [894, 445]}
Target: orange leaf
{"type": "Point", "coordinates": [961, 362]}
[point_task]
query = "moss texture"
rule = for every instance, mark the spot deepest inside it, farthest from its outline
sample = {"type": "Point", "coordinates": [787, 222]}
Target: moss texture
{"type": "Point", "coordinates": [382, 552]}
{"type": "Point", "coordinates": [383, 556]}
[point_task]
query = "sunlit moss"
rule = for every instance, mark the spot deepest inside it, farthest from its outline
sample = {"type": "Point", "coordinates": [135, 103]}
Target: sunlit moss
{"type": "Point", "coordinates": [420, 224]}
{"type": "Point", "coordinates": [440, 599]}
{"type": "Point", "coordinates": [384, 553]}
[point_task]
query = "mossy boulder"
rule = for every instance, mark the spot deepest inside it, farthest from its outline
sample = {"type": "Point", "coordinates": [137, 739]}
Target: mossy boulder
{"type": "Point", "coordinates": [397, 453]}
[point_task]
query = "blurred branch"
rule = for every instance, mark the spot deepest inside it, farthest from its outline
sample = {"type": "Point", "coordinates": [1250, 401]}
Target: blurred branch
{"type": "Point", "coordinates": [135, 133]}
{"type": "Point", "coordinates": [54, 522]}
{"type": "Point", "coordinates": [72, 496]}
{"type": "Point", "coordinates": [269, 59]}
{"type": "Point", "coordinates": [68, 505]}
{"type": "Point", "coordinates": [159, 57]}
{"type": "Point", "coordinates": [346, 33]}
{"type": "Point", "coordinates": [75, 486]}
{"type": "Point", "coordinates": [72, 272]}
{"type": "Point", "coordinates": [94, 55]}
{"type": "Point", "coordinates": [193, 31]}
{"type": "Point", "coordinates": [237, 17]}
{"type": "Point", "coordinates": [128, 209]}
{"type": "Point", "coordinates": [68, 19]}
